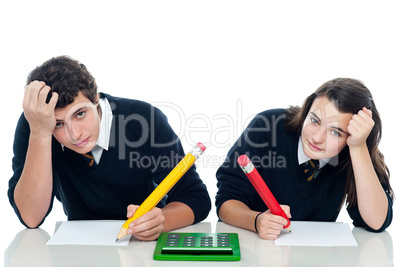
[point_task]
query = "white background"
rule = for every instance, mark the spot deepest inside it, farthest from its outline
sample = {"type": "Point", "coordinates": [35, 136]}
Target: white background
{"type": "Point", "coordinates": [209, 65]}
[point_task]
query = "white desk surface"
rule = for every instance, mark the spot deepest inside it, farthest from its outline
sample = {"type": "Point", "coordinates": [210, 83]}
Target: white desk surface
{"type": "Point", "coordinates": [29, 249]}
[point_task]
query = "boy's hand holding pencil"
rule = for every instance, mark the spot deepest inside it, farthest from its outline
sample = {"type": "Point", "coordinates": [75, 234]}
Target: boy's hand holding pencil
{"type": "Point", "coordinates": [149, 226]}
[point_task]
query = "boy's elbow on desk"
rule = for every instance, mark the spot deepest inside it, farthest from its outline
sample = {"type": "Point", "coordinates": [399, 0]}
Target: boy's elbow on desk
{"type": "Point", "coordinates": [31, 223]}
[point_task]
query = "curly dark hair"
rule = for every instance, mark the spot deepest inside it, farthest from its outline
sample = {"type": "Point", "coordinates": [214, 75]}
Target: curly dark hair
{"type": "Point", "coordinates": [67, 77]}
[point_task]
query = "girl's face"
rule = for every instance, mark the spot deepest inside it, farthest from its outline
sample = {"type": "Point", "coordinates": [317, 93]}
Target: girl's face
{"type": "Point", "coordinates": [324, 132]}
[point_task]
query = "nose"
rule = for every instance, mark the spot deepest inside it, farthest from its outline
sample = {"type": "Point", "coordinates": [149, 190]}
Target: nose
{"type": "Point", "coordinates": [74, 131]}
{"type": "Point", "coordinates": [319, 135]}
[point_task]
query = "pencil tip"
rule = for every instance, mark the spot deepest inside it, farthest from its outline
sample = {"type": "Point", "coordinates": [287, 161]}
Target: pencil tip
{"type": "Point", "coordinates": [117, 239]}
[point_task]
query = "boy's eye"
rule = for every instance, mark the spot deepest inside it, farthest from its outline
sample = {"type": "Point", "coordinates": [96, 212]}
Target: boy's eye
{"type": "Point", "coordinates": [58, 125]}
{"type": "Point", "coordinates": [81, 114]}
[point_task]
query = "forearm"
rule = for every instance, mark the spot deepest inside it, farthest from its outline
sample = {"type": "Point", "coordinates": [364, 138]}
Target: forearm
{"type": "Point", "coordinates": [33, 191]}
{"type": "Point", "coordinates": [371, 198]}
{"type": "Point", "coordinates": [238, 214]}
{"type": "Point", "coordinates": [177, 215]}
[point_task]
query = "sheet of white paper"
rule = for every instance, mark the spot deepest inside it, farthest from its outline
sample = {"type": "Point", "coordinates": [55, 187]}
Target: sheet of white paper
{"type": "Point", "coordinates": [317, 234]}
{"type": "Point", "coordinates": [95, 233]}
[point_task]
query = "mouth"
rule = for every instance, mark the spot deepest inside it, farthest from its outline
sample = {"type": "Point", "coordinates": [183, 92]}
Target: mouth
{"type": "Point", "coordinates": [313, 147]}
{"type": "Point", "coordinates": [82, 143]}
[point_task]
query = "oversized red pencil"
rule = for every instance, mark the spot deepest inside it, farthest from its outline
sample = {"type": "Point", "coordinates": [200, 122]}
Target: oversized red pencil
{"type": "Point", "coordinates": [255, 178]}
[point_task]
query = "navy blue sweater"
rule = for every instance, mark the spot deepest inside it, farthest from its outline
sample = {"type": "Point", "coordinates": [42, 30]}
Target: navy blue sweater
{"type": "Point", "coordinates": [273, 151]}
{"type": "Point", "coordinates": [143, 149]}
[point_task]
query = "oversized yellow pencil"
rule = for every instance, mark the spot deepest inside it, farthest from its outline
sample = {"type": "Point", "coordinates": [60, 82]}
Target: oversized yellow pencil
{"type": "Point", "coordinates": [163, 188]}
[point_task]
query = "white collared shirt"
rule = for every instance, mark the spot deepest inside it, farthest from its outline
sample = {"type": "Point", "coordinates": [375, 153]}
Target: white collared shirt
{"type": "Point", "coordinates": [104, 131]}
{"type": "Point", "coordinates": [303, 158]}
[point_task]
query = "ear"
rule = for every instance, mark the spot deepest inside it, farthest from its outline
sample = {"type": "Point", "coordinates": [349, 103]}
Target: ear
{"type": "Point", "coordinates": [98, 108]}
{"type": "Point", "coordinates": [97, 100]}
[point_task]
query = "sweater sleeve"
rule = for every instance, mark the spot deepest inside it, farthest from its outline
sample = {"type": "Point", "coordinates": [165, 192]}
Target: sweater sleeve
{"type": "Point", "coordinates": [232, 182]}
{"type": "Point", "coordinates": [359, 222]}
{"type": "Point", "coordinates": [167, 151]}
{"type": "Point", "coordinates": [20, 148]}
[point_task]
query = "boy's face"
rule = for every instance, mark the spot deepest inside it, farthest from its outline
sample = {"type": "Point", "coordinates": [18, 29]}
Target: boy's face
{"type": "Point", "coordinates": [324, 132]}
{"type": "Point", "coordinates": [77, 125]}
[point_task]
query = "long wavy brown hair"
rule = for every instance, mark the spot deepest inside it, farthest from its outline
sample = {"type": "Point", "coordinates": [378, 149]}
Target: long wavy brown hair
{"type": "Point", "coordinates": [348, 96]}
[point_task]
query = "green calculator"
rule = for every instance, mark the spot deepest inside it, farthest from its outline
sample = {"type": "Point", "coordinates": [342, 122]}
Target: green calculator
{"type": "Point", "coordinates": [198, 247]}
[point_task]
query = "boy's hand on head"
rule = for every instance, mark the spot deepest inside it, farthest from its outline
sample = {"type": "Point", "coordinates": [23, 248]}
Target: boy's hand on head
{"type": "Point", "coordinates": [39, 114]}
{"type": "Point", "coordinates": [149, 226]}
{"type": "Point", "coordinates": [360, 127]}
{"type": "Point", "coordinates": [269, 226]}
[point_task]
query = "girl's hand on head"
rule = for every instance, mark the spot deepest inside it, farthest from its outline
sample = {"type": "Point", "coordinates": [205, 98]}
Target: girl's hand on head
{"type": "Point", "coordinates": [360, 127]}
{"type": "Point", "coordinates": [269, 226]}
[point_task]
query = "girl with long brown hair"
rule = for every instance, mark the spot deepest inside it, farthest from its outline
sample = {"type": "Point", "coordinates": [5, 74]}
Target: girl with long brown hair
{"type": "Point", "coordinates": [312, 158]}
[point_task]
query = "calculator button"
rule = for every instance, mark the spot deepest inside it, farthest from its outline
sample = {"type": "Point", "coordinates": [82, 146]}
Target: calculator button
{"type": "Point", "coordinates": [223, 245]}
{"type": "Point", "coordinates": [206, 245]}
{"type": "Point", "coordinates": [172, 244]}
{"type": "Point", "coordinates": [174, 236]}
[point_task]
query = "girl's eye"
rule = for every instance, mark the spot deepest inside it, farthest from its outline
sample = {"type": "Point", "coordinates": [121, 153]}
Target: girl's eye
{"type": "Point", "coordinates": [58, 125]}
{"type": "Point", "coordinates": [335, 133]}
{"type": "Point", "coordinates": [314, 120]}
{"type": "Point", "coordinates": [81, 114]}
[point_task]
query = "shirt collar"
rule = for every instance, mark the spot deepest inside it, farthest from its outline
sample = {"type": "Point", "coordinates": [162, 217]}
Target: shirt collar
{"type": "Point", "coordinates": [303, 158]}
{"type": "Point", "coordinates": [105, 124]}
